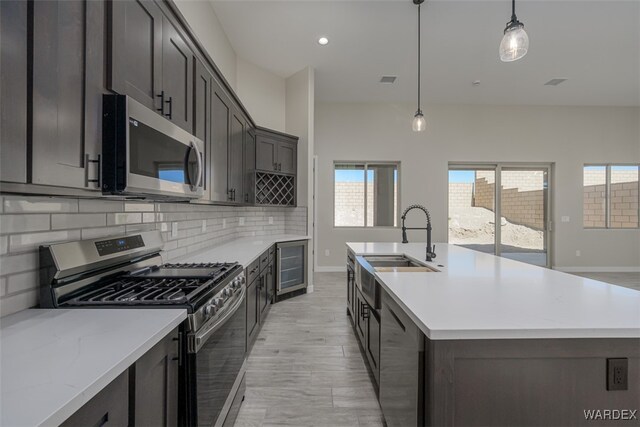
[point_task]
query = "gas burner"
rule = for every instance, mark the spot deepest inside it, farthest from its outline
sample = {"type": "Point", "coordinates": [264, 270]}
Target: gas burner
{"type": "Point", "coordinates": [212, 265]}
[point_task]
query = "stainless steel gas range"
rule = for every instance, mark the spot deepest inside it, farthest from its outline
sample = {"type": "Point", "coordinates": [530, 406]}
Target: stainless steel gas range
{"type": "Point", "coordinates": [128, 271]}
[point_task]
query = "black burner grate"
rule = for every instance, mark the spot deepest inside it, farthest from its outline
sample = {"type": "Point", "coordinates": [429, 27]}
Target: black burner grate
{"type": "Point", "coordinates": [142, 291]}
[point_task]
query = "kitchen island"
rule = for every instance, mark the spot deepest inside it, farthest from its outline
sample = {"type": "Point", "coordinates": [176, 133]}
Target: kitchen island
{"type": "Point", "coordinates": [498, 342]}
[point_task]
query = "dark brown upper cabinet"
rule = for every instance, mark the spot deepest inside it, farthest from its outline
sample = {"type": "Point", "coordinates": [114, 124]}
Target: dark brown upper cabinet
{"type": "Point", "coordinates": [249, 164]}
{"type": "Point", "coordinates": [236, 158]}
{"type": "Point", "coordinates": [13, 87]}
{"type": "Point", "coordinates": [220, 120]}
{"type": "Point", "coordinates": [177, 77]}
{"type": "Point", "coordinates": [276, 152]}
{"type": "Point", "coordinates": [150, 60]}
{"type": "Point", "coordinates": [202, 82]}
{"type": "Point", "coordinates": [68, 84]}
{"type": "Point", "coordinates": [136, 51]}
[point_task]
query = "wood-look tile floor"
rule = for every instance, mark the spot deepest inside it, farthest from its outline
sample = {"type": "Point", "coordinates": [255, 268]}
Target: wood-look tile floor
{"type": "Point", "coordinates": [305, 368]}
{"type": "Point", "coordinates": [628, 280]}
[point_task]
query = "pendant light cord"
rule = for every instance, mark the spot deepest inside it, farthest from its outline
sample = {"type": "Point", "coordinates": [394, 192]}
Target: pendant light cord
{"type": "Point", "coordinates": [419, 57]}
{"type": "Point", "coordinates": [513, 10]}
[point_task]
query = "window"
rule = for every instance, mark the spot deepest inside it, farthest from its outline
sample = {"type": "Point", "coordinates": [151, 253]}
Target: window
{"type": "Point", "coordinates": [610, 196]}
{"type": "Point", "coordinates": [366, 194]}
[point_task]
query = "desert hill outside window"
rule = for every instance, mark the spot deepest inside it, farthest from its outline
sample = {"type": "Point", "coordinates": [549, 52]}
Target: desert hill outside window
{"type": "Point", "coordinates": [366, 194]}
{"type": "Point", "coordinates": [610, 196]}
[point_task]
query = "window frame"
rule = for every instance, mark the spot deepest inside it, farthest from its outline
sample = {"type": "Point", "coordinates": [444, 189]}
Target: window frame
{"type": "Point", "coordinates": [366, 165]}
{"type": "Point", "coordinates": [607, 196]}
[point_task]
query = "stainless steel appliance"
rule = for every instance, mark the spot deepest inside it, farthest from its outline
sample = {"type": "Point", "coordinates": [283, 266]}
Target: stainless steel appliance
{"type": "Point", "coordinates": [291, 259]}
{"type": "Point", "coordinates": [146, 155]}
{"type": "Point", "coordinates": [127, 271]}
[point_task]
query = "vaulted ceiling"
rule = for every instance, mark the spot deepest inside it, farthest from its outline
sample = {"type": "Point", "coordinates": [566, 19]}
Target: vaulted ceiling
{"type": "Point", "coordinates": [594, 44]}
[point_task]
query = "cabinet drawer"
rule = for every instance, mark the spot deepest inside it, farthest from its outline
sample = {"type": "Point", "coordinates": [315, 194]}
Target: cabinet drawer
{"type": "Point", "coordinates": [253, 271]}
{"type": "Point", "coordinates": [264, 260]}
{"type": "Point", "coordinates": [110, 407]}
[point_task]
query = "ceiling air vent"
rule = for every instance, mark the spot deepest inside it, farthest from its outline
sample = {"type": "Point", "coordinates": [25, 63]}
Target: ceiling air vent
{"type": "Point", "coordinates": [388, 79]}
{"type": "Point", "coordinates": [554, 82]}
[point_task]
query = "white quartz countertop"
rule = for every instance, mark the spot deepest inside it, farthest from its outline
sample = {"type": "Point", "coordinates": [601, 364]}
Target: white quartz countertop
{"type": "Point", "coordinates": [481, 296]}
{"type": "Point", "coordinates": [244, 250]}
{"type": "Point", "coordinates": [53, 361]}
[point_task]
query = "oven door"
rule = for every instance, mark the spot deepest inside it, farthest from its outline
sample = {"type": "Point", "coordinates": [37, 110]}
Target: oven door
{"type": "Point", "coordinates": [146, 154]}
{"type": "Point", "coordinates": [216, 363]}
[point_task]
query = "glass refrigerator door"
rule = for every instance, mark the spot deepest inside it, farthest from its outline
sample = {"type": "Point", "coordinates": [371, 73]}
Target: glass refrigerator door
{"type": "Point", "coordinates": [292, 268]}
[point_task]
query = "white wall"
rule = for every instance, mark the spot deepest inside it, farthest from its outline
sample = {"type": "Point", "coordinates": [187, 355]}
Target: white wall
{"type": "Point", "coordinates": [566, 136]}
{"type": "Point", "coordinates": [262, 93]}
{"type": "Point", "coordinates": [204, 22]}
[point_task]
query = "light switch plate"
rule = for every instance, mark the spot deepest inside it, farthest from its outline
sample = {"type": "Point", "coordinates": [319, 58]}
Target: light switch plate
{"type": "Point", "coordinates": [204, 226]}
{"type": "Point", "coordinates": [565, 219]}
{"type": "Point", "coordinates": [241, 220]}
{"type": "Point", "coordinates": [224, 223]}
{"type": "Point", "coordinates": [174, 230]}
{"type": "Point", "coordinates": [578, 253]}
{"type": "Point", "coordinates": [270, 220]}
{"type": "Point", "coordinates": [327, 252]}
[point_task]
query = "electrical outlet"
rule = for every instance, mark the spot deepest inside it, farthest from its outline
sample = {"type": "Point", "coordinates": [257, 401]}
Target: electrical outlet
{"type": "Point", "coordinates": [578, 253]}
{"type": "Point", "coordinates": [565, 219]}
{"type": "Point", "coordinates": [617, 373]}
{"type": "Point", "coordinates": [270, 220]}
{"type": "Point", "coordinates": [224, 223]}
{"type": "Point", "coordinates": [204, 226]}
{"type": "Point", "coordinates": [174, 230]}
{"type": "Point", "coordinates": [327, 252]}
{"type": "Point", "coordinates": [241, 220]}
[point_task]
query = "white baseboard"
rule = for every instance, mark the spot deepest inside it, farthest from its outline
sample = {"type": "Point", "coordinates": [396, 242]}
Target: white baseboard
{"type": "Point", "coordinates": [598, 269]}
{"type": "Point", "coordinates": [310, 289]}
{"type": "Point", "coordinates": [330, 269]}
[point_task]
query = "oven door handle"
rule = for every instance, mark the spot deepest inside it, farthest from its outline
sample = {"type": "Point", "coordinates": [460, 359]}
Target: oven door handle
{"type": "Point", "coordinates": [197, 340]}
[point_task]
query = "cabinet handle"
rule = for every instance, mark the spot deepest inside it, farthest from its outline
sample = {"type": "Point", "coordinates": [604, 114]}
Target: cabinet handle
{"type": "Point", "coordinates": [161, 109]}
{"type": "Point", "coordinates": [365, 310]}
{"type": "Point", "coordinates": [103, 421]}
{"type": "Point", "coordinates": [279, 166]}
{"type": "Point", "coordinates": [87, 160]}
{"type": "Point", "coordinates": [275, 166]}
{"type": "Point", "coordinates": [170, 102]}
{"type": "Point", "coordinates": [230, 194]}
{"type": "Point", "coordinates": [246, 197]}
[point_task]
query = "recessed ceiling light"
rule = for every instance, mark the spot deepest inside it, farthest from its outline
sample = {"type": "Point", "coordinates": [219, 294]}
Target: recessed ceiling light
{"type": "Point", "coordinates": [388, 79]}
{"type": "Point", "coordinates": [476, 83]}
{"type": "Point", "coordinates": [555, 82]}
{"type": "Point", "coordinates": [323, 41]}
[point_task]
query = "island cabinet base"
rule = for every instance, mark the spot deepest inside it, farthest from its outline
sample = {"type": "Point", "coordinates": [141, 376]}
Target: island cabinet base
{"type": "Point", "coordinates": [529, 382]}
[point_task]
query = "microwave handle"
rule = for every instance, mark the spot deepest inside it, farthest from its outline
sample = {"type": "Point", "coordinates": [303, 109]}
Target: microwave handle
{"type": "Point", "coordinates": [200, 171]}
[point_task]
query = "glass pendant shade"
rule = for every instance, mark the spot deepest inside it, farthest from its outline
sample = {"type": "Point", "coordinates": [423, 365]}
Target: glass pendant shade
{"type": "Point", "coordinates": [515, 43]}
{"type": "Point", "coordinates": [419, 122]}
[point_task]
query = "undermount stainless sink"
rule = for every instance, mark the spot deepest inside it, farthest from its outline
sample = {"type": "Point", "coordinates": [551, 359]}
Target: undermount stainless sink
{"type": "Point", "coordinates": [388, 263]}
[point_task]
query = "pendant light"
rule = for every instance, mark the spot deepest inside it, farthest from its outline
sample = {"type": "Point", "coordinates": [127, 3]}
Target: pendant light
{"type": "Point", "coordinates": [515, 42]}
{"type": "Point", "coordinates": [419, 122]}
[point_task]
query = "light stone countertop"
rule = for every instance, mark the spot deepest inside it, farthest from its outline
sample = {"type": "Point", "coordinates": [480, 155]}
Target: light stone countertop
{"type": "Point", "coordinates": [53, 361]}
{"type": "Point", "coordinates": [244, 250]}
{"type": "Point", "coordinates": [481, 296]}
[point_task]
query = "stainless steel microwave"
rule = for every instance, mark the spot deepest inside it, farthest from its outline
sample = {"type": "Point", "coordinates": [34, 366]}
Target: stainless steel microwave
{"type": "Point", "coordinates": [145, 155]}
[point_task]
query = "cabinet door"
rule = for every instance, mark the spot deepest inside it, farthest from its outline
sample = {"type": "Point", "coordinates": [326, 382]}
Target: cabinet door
{"type": "Point", "coordinates": [156, 384]}
{"type": "Point", "coordinates": [236, 158]}
{"type": "Point", "coordinates": [136, 51]}
{"type": "Point", "coordinates": [264, 294]}
{"type": "Point", "coordinates": [110, 407]}
{"type": "Point", "coordinates": [60, 146]}
{"type": "Point", "coordinates": [266, 154]}
{"type": "Point", "coordinates": [361, 326]}
{"type": "Point", "coordinates": [13, 87]}
{"type": "Point", "coordinates": [271, 284]}
{"type": "Point", "coordinates": [252, 313]}
{"type": "Point", "coordinates": [350, 275]}
{"type": "Point", "coordinates": [249, 166]}
{"type": "Point", "coordinates": [221, 113]}
{"type": "Point", "coordinates": [287, 157]}
{"type": "Point", "coordinates": [177, 77]}
{"type": "Point", "coordinates": [202, 116]}
{"type": "Point", "coordinates": [373, 344]}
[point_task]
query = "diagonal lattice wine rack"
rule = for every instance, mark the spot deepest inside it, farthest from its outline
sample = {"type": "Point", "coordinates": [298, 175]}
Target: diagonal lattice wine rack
{"type": "Point", "coordinates": [274, 189]}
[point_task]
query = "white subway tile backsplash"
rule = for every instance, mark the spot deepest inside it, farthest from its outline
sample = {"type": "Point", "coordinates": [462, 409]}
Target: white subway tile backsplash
{"type": "Point", "coordinates": [24, 223]}
{"type": "Point", "coordinates": [31, 241]}
{"type": "Point", "coordinates": [17, 204]}
{"type": "Point", "coordinates": [124, 218]}
{"type": "Point", "coordinates": [90, 205]}
{"type": "Point", "coordinates": [22, 282]}
{"type": "Point", "coordinates": [84, 220]}
{"type": "Point", "coordinates": [62, 219]}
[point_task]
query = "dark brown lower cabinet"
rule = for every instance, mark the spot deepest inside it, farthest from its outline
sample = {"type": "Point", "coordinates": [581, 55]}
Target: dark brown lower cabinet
{"type": "Point", "coordinates": [144, 395]}
{"type": "Point", "coordinates": [155, 381]}
{"type": "Point", "coordinates": [260, 293]}
{"type": "Point", "coordinates": [252, 313]}
{"type": "Point", "coordinates": [110, 407]}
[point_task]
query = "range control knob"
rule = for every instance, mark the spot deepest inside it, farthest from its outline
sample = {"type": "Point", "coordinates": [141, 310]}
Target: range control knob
{"type": "Point", "coordinates": [227, 292]}
{"type": "Point", "coordinates": [209, 310]}
{"type": "Point", "coordinates": [243, 280]}
{"type": "Point", "coordinates": [219, 302]}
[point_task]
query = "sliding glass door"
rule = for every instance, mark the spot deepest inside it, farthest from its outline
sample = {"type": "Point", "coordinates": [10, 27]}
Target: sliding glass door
{"type": "Point", "coordinates": [515, 196]}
